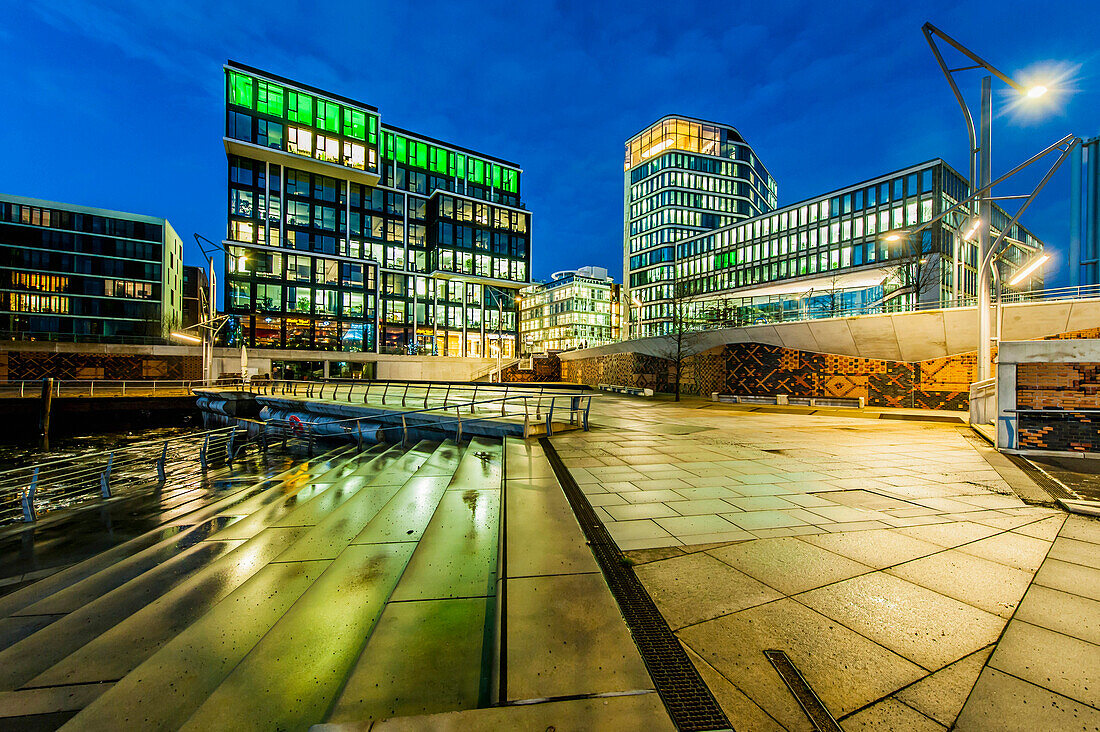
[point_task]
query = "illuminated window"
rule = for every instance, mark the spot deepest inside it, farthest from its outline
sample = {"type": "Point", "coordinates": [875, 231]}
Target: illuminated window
{"type": "Point", "coordinates": [354, 155]}
{"type": "Point", "coordinates": [270, 99]}
{"type": "Point", "coordinates": [299, 141]}
{"type": "Point", "coordinates": [240, 89]}
{"type": "Point", "coordinates": [300, 107]}
{"type": "Point", "coordinates": [328, 149]}
{"type": "Point", "coordinates": [355, 124]}
{"type": "Point", "coordinates": [328, 116]}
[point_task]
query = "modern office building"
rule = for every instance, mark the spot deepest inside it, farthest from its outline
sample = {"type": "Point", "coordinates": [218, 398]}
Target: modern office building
{"type": "Point", "coordinates": [348, 234]}
{"type": "Point", "coordinates": [196, 295]}
{"type": "Point", "coordinates": [1084, 218]}
{"type": "Point", "coordinates": [840, 252]}
{"type": "Point", "coordinates": [683, 177]}
{"type": "Point", "coordinates": [76, 273]}
{"type": "Point", "coordinates": [575, 309]}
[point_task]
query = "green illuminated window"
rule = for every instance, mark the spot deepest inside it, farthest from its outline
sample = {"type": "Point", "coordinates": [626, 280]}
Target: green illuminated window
{"type": "Point", "coordinates": [300, 107]}
{"type": "Point", "coordinates": [355, 123]}
{"type": "Point", "coordinates": [269, 100]}
{"type": "Point", "coordinates": [328, 116]}
{"type": "Point", "coordinates": [240, 89]}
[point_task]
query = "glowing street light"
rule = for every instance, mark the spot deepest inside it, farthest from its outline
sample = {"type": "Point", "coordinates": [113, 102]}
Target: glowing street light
{"type": "Point", "coordinates": [185, 337]}
{"type": "Point", "coordinates": [1030, 267]}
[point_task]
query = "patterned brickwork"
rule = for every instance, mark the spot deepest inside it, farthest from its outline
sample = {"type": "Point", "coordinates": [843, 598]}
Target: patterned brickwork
{"type": "Point", "coordinates": [1061, 431]}
{"type": "Point", "coordinates": [544, 369]}
{"type": "Point", "coordinates": [756, 369]}
{"type": "Point", "coordinates": [22, 365]}
{"type": "Point", "coordinates": [1058, 385]}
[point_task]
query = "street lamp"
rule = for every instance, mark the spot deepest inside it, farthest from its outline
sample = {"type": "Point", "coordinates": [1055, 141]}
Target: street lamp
{"type": "Point", "coordinates": [979, 171]}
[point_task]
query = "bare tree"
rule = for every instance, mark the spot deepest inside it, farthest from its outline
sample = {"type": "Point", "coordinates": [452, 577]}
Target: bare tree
{"type": "Point", "coordinates": [917, 271]}
{"type": "Point", "coordinates": [683, 342]}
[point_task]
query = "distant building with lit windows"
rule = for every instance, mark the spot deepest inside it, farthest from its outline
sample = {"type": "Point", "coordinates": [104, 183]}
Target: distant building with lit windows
{"type": "Point", "coordinates": [348, 234]}
{"type": "Point", "coordinates": [845, 252]}
{"type": "Point", "coordinates": [683, 176]}
{"type": "Point", "coordinates": [575, 309]}
{"type": "Point", "coordinates": [76, 273]}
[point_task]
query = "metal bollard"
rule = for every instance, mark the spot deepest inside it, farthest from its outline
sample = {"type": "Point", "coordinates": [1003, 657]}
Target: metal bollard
{"type": "Point", "coordinates": [105, 478]}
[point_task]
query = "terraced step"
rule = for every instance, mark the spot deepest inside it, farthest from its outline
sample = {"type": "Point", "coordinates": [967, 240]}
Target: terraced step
{"type": "Point", "coordinates": [432, 648]}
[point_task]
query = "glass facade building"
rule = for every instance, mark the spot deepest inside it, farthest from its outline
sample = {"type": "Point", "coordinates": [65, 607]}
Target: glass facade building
{"type": "Point", "coordinates": [842, 252]}
{"type": "Point", "coordinates": [348, 234]}
{"type": "Point", "coordinates": [75, 273]}
{"type": "Point", "coordinates": [576, 309]}
{"type": "Point", "coordinates": [683, 176]}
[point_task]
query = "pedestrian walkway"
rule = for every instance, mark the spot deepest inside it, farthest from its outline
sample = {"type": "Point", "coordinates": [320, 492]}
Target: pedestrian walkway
{"type": "Point", "coordinates": [886, 559]}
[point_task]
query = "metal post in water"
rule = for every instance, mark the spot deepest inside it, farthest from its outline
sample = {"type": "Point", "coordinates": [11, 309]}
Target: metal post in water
{"type": "Point", "coordinates": [44, 418]}
{"type": "Point", "coordinates": [105, 478]}
{"type": "Point", "coordinates": [29, 514]}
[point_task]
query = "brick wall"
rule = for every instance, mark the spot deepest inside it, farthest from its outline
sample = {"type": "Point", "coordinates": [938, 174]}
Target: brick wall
{"type": "Point", "coordinates": [1058, 385]}
{"type": "Point", "coordinates": [545, 370]}
{"type": "Point", "coordinates": [24, 365]}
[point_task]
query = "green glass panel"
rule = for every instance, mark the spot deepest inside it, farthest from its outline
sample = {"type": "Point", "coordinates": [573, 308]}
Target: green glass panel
{"type": "Point", "coordinates": [355, 123]}
{"type": "Point", "coordinates": [300, 108]}
{"type": "Point", "coordinates": [328, 116]}
{"type": "Point", "coordinates": [240, 89]}
{"type": "Point", "coordinates": [400, 156]}
{"type": "Point", "coordinates": [269, 100]}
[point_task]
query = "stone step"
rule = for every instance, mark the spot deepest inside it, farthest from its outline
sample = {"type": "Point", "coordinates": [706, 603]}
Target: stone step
{"type": "Point", "coordinates": [432, 647]}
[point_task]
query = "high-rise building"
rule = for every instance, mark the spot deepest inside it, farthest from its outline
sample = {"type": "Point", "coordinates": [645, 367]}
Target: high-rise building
{"type": "Point", "coordinates": [848, 251]}
{"type": "Point", "coordinates": [683, 177]}
{"type": "Point", "coordinates": [1084, 219]}
{"type": "Point", "coordinates": [76, 273]}
{"type": "Point", "coordinates": [348, 234]}
{"type": "Point", "coordinates": [575, 309]}
{"type": "Point", "coordinates": [196, 294]}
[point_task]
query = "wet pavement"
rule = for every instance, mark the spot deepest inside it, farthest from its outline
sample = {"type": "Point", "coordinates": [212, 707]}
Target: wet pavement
{"type": "Point", "coordinates": [890, 560]}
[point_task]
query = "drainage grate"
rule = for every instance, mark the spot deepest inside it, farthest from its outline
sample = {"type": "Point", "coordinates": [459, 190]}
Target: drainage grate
{"type": "Point", "coordinates": [803, 694]}
{"type": "Point", "coordinates": [687, 699]}
{"type": "Point", "coordinates": [1045, 480]}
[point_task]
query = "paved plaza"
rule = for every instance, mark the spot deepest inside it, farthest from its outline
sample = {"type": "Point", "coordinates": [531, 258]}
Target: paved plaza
{"type": "Point", "coordinates": [897, 567]}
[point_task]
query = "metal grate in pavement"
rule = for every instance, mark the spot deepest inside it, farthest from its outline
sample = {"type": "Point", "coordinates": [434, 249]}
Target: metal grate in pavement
{"type": "Point", "coordinates": [689, 702]}
{"type": "Point", "coordinates": [1042, 478]}
{"type": "Point", "coordinates": [803, 693]}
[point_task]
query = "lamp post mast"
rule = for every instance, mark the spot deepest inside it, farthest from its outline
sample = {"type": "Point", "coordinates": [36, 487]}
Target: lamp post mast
{"type": "Point", "coordinates": [985, 214]}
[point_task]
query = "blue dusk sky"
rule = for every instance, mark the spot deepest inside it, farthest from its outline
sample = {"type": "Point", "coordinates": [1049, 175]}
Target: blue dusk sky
{"type": "Point", "coordinates": [119, 104]}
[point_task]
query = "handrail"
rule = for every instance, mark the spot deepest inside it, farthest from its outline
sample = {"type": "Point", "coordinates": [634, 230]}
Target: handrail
{"type": "Point", "coordinates": [29, 489]}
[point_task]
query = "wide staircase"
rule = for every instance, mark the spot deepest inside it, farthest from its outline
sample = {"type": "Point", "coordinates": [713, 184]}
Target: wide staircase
{"type": "Point", "coordinates": [351, 587]}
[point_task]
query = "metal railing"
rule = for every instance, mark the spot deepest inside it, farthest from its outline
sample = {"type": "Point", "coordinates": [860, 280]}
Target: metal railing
{"type": "Point", "coordinates": [790, 311]}
{"type": "Point", "coordinates": [406, 393]}
{"type": "Point", "coordinates": [30, 491]}
{"type": "Point", "coordinates": [535, 410]}
{"type": "Point", "coordinates": [28, 388]}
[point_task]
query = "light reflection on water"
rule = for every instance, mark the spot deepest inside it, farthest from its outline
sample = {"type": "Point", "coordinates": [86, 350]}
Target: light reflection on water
{"type": "Point", "coordinates": [14, 455]}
